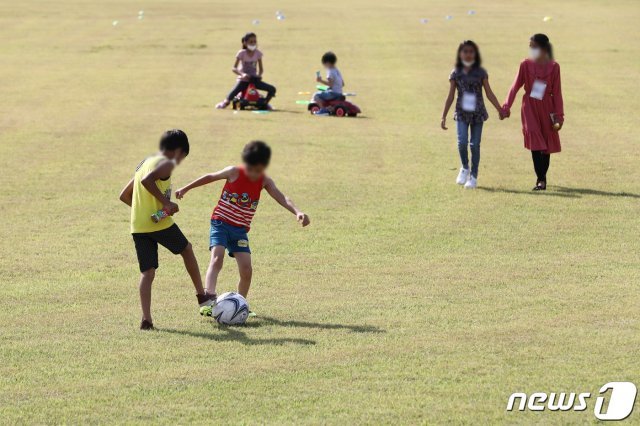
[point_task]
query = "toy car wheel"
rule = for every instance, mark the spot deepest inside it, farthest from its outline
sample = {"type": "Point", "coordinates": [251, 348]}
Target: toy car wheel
{"type": "Point", "coordinates": [340, 111]}
{"type": "Point", "coordinates": [314, 109]}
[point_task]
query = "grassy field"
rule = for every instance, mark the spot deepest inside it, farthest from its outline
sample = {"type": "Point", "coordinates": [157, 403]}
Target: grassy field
{"type": "Point", "coordinates": [409, 300]}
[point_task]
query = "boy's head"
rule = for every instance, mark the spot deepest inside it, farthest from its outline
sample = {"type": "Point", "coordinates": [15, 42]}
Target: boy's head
{"type": "Point", "coordinates": [256, 156]}
{"type": "Point", "coordinates": [329, 59]}
{"type": "Point", "coordinates": [174, 144]}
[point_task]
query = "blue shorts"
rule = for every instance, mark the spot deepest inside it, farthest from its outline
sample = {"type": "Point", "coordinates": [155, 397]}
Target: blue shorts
{"type": "Point", "coordinates": [327, 95]}
{"type": "Point", "coordinates": [233, 238]}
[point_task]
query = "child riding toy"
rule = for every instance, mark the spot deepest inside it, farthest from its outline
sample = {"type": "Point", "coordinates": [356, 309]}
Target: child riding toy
{"type": "Point", "coordinates": [339, 107]}
{"type": "Point", "coordinates": [250, 99]}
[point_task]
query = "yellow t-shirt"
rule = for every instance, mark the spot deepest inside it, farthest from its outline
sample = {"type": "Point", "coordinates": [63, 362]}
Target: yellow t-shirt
{"type": "Point", "coordinates": [144, 203]}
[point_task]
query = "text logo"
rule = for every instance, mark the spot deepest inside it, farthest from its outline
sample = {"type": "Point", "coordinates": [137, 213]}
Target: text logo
{"type": "Point", "coordinates": [620, 401]}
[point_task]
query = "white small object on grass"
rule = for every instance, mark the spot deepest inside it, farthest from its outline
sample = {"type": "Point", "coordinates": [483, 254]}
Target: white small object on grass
{"type": "Point", "coordinates": [448, 17]}
{"type": "Point", "coordinates": [424, 20]}
{"type": "Point", "coordinates": [256, 22]}
{"type": "Point", "coordinates": [140, 12]}
{"type": "Point", "coordinates": [140, 17]}
{"type": "Point", "coordinates": [114, 23]}
{"type": "Point", "coordinates": [547, 18]}
{"type": "Point", "coordinates": [471, 12]}
{"type": "Point", "coordinates": [280, 17]}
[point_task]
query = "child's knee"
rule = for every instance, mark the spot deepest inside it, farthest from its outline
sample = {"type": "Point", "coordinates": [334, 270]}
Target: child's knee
{"type": "Point", "coordinates": [149, 274]}
{"type": "Point", "coordinates": [216, 261]}
{"type": "Point", "coordinates": [246, 271]}
{"type": "Point", "coordinates": [188, 250]}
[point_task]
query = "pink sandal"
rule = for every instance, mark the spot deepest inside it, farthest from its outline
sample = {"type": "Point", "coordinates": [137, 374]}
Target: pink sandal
{"type": "Point", "coordinates": [223, 104]}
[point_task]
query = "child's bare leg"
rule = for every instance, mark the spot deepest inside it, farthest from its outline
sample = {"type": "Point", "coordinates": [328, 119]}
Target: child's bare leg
{"type": "Point", "coordinates": [215, 266]}
{"type": "Point", "coordinates": [146, 279]}
{"type": "Point", "coordinates": [245, 269]}
{"type": "Point", "coordinates": [191, 263]}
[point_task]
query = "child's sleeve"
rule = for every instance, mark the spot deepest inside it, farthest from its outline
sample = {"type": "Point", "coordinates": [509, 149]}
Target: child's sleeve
{"type": "Point", "coordinates": [452, 75]}
{"type": "Point", "coordinates": [518, 82]}
{"type": "Point", "coordinates": [558, 103]}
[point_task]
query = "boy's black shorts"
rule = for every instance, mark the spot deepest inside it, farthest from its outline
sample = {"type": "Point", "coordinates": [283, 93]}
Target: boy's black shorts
{"type": "Point", "coordinates": [147, 245]}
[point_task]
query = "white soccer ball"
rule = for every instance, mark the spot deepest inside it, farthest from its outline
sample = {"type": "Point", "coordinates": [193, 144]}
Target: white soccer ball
{"type": "Point", "coordinates": [231, 309]}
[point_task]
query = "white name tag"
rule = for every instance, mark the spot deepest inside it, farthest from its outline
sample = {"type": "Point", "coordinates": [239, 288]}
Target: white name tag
{"type": "Point", "coordinates": [538, 89]}
{"type": "Point", "coordinates": [468, 101]}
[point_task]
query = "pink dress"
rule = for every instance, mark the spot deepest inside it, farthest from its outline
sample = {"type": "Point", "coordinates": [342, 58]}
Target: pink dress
{"type": "Point", "coordinates": [537, 107]}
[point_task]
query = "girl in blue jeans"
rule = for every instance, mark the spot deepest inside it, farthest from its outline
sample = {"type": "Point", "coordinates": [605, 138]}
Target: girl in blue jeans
{"type": "Point", "coordinates": [468, 78]}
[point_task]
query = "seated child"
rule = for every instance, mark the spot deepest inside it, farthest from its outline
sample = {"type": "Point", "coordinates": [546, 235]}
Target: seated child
{"type": "Point", "coordinates": [231, 218]}
{"type": "Point", "coordinates": [334, 81]}
{"type": "Point", "coordinates": [248, 66]}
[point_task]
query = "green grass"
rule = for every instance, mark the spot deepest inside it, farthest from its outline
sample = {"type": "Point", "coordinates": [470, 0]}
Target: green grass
{"type": "Point", "coordinates": [408, 300]}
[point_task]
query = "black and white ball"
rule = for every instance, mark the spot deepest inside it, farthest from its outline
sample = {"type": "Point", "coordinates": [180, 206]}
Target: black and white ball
{"type": "Point", "coordinates": [231, 309]}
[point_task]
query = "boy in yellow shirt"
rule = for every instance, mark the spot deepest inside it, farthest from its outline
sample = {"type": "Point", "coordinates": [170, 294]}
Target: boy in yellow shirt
{"type": "Point", "coordinates": [148, 193]}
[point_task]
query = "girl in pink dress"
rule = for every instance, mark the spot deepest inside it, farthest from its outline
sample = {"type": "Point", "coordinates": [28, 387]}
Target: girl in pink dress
{"type": "Point", "coordinates": [542, 108]}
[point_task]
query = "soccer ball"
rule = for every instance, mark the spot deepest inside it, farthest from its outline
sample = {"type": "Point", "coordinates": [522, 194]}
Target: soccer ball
{"type": "Point", "coordinates": [231, 309]}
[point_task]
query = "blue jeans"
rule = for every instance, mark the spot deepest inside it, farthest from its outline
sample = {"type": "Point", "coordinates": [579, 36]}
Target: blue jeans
{"type": "Point", "coordinates": [327, 95]}
{"type": "Point", "coordinates": [463, 141]}
{"type": "Point", "coordinates": [233, 238]}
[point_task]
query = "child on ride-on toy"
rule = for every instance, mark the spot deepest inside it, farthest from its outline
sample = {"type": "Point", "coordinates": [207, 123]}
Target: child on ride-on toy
{"type": "Point", "coordinates": [334, 81]}
{"type": "Point", "coordinates": [248, 67]}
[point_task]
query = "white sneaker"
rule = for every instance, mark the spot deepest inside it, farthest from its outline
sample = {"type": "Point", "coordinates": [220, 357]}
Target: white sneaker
{"type": "Point", "coordinates": [472, 183]}
{"type": "Point", "coordinates": [462, 176]}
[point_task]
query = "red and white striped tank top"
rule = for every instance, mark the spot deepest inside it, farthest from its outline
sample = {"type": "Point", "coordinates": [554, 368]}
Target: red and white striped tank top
{"type": "Point", "coordinates": [238, 201]}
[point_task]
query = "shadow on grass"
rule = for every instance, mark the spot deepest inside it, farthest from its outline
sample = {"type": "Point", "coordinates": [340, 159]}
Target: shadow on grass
{"type": "Point", "coordinates": [237, 334]}
{"type": "Point", "coordinates": [587, 191]}
{"type": "Point", "coordinates": [563, 191]}
{"type": "Point", "coordinates": [523, 192]}
{"type": "Point", "coordinates": [320, 325]}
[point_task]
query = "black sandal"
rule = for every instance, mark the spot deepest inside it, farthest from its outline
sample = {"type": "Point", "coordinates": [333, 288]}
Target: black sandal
{"type": "Point", "coordinates": [540, 186]}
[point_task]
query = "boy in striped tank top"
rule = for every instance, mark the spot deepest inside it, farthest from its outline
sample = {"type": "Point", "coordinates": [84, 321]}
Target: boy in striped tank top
{"type": "Point", "coordinates": [231, 218]}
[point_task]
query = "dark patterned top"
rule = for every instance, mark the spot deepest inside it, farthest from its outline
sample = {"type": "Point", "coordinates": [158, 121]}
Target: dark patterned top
{"type": "Point", "coordinates": [470, 82]}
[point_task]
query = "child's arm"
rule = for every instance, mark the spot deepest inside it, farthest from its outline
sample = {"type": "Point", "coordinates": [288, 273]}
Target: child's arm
{"type": "Point", "coordinates": [558, 103]}
{"type": "Point", "coordinates": [518, 82]}
{"type": "Point", "coordinates": [447, 104]}
{"type": "Point", "coordinates": [126, 195]}
{"type": "Point", "coordinates": [162, 171]}
{"type": "Point", "coordinates": [260, 67]}
{"type": "Point", "coordinates": [492, 97]}
{"type": "Point", "coordinates": [229, 173]}
{"type": "Point", "coordinates": [285, 201]}
{"type": "Point", "coordinates": [235, 69]}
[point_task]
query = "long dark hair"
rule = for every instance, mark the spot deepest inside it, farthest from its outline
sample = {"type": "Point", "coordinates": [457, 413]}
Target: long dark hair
{"type": "Point", "coordinates": [543, 41]}
{"type": "Point", "coordinates": [246, 37]}
{"type": "Point", "coordinates": [475, 47]}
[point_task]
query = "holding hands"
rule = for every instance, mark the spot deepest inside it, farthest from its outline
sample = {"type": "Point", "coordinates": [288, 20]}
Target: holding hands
{"type": "Point", "coordinates": [504, 112]}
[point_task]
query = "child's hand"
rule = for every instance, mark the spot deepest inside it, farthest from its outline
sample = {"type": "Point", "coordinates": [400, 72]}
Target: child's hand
{"type": "Point", "coordinates": [171, 207]}
{"type": "Point", "coordinates": [319, 79]}
{"type": "Point", "coordinates": [303, 219]}
{"type": "Point", "coordinates": [443, 124]}
{"type": "Point", "coordinates": [181, 193]}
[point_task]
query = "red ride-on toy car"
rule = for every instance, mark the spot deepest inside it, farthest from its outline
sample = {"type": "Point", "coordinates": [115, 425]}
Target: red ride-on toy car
{"type": "Point", "coordinates": [250, 99]}
{"type": "Point", "coordinates": [339, 107]}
